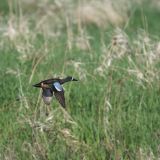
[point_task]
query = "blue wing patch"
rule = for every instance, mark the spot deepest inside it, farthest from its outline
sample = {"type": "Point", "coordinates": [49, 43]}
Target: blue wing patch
{"type": "Point", "coordinates": [57, 86]}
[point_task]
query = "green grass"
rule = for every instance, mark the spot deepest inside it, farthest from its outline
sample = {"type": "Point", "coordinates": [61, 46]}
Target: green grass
{"type": "Point", "coordinates": [112, 113]}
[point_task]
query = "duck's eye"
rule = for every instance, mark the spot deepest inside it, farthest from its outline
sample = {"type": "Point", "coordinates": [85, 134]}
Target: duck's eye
{"type": "Point", "coordinates": [57, 86]}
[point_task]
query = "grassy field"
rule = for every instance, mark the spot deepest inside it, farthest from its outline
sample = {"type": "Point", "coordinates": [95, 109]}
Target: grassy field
{"type": "Point", "coordinates": [113, 111]}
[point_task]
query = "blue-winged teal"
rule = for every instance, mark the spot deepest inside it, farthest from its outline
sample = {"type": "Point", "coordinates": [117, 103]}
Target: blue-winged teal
{"type": "Point", "coordinates": [54, 85]}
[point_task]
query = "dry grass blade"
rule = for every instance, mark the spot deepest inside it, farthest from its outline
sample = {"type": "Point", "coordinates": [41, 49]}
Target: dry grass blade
{"type": "Point", "coordinates": [35, 66]}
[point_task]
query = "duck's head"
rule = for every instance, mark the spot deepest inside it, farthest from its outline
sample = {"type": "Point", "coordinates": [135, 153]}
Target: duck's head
{"type": "Point", "coordinates": [67, 79]}
{"type": "Point", "coordinates": [70, 78]}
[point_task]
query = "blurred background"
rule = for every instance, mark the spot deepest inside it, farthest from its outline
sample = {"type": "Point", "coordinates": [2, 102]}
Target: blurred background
{"type": "Point", "coordinates": [112, 47]}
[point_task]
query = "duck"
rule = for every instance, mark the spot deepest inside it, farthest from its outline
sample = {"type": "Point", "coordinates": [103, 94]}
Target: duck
{"type": "Point", "coordinates": [54, 87]}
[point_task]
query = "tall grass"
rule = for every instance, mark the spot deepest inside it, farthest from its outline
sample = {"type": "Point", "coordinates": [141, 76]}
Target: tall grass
{"type": "Point", "coordinates": [112, 112]}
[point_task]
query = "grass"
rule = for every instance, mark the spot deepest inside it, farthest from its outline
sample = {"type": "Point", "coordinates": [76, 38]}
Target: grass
{"type": "Point", "coordinates": [112, 111]}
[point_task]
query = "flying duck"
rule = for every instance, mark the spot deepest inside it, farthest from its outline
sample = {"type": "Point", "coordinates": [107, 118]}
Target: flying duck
{"type": "Point", "coordinates": [54, 86]}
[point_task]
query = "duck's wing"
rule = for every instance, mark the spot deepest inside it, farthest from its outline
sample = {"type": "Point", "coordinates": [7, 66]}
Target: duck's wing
{"type": "Point", "coordinates": [50, 81]}
{"type": "Point", "coordinates": [47, 94]}
{"type": "Point", "coordinates": [47, 100]}
{"type": "Point", "coordinates": [60, 97]}
{"type": "Point", "coordinates": [57, 86]}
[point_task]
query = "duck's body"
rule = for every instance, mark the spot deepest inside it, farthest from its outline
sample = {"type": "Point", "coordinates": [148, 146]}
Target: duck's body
{"type": "Point", "coordinates": [51, 86]}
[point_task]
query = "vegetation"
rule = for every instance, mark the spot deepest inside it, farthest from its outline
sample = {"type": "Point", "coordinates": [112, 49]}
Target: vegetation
{"type": "Point", "coordinates": [113, 110]}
